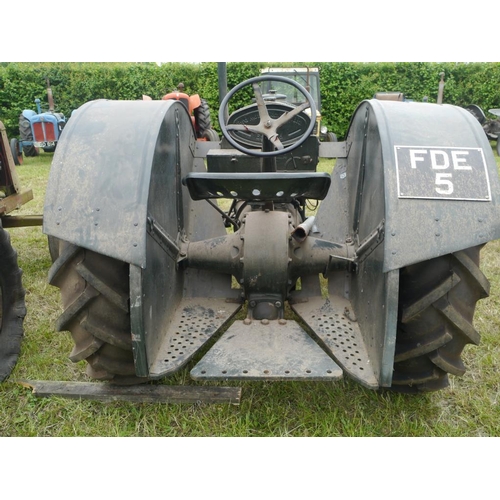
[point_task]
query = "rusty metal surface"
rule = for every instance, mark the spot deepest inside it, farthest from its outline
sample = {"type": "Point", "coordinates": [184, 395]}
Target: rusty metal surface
{"type": "Point", "coordinates": [266, 350]}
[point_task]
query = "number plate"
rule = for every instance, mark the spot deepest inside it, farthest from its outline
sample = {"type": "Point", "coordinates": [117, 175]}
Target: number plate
{"type": "Point", "coordinates": [442, 172]}
{"type": "Point", "coordinates": [44, 144]}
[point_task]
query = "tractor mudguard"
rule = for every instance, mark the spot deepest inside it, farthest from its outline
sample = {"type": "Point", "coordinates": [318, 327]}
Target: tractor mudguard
{"type": "Point", "coordinates": [99, 184]}
{"type": "Point", "coordinates": [422, 178]}
{"type": "Point", "coordinates": [418, 181]}
{"type": "Point", "coordinates": [115, 188]}
{"type": "Point", "coordinates": [28, 113]}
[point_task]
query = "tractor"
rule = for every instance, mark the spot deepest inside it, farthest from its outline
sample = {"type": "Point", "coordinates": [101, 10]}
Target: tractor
{"type": "Point", "coordinates": [38, 129]}
{"type": "Point", "coordinates": [198, 109]}
{"type": "Point", "coordinates": [491, 127]}
{"type": "Point", "coordinates": [309, 79]}
{"type": "Point", "coordinates": [178, 254]}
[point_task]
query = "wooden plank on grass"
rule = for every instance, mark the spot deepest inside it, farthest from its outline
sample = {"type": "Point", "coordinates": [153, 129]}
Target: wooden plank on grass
{"type": "Point", "coordinates": [137, 393]}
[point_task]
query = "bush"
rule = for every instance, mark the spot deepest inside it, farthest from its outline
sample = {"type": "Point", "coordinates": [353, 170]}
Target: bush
{"type": "Point", "coordinates": [343, 85]}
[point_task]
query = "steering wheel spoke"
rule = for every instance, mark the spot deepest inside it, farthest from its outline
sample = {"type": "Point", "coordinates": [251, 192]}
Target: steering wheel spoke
{"type": "Point", "coordinates": [288, 115]}
{"type": "Point", "coordinates": [274, 139]}
{"type": "Point", "coordinates": [237, 127]}
{"type": "Point", "coordinates": [261, 104]}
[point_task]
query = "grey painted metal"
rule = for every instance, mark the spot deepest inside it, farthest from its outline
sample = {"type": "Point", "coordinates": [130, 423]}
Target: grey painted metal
{"type": "Point", "coordinates": [97, 194]}
{"type": "Point", "coordinates": [176, 310]}
{"type": "Point", "coordinates": [335, 325]}
{"type": "Point", "coordinates": [420, 228]}
{"type": "Point", "coordinates": [390, 229]}
{"type": "Point", "coordinates": [266, 350]}
{"type": "Point", "coordinates": [116, 188]}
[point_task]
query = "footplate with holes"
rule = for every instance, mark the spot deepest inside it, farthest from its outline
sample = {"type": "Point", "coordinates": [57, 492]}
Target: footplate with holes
{"type": "Point", "coordinates": [266, 350]}
{"type": "Point", "coordinates": [341, 336]}
{"type": "Point", "coordinates": [193, 324]}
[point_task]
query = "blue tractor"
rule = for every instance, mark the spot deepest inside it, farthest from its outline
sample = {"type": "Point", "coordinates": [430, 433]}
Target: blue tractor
{"type": "Point", "coordinates": [38, 130]}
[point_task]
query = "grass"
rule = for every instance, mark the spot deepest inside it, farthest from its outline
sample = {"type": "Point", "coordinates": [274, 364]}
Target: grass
{"type": "Point", "coordinates": [469, 407]}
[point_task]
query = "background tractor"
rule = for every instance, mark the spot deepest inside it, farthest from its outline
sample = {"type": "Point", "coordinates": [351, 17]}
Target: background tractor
{"type": "Point", "coordinates": [38, 129]}
{"type": "Point", "coordinates": [197, 108]}
{"type": "Point", "coordinates": [491, 127]}
{"type": "Point", "coordinates": [309, 79]}
{"type": "Point", "coordinates": [378, 285]}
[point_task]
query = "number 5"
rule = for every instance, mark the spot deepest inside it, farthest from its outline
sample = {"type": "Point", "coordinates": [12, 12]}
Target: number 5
{"type": "Point", "coordinates": [442, 180]}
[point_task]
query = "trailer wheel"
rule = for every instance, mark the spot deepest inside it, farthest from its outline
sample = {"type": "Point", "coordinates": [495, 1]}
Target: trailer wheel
{"type": "Point", "coordinates": [95, 298]}
{"type": "Point", "coordinates": [12, 306]}
{"type": "Point", "coordinates": [437, 302]}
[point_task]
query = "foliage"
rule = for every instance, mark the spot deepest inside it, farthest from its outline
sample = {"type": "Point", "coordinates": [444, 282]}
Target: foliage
{"type": "Point", "coordinates": [343, 84]}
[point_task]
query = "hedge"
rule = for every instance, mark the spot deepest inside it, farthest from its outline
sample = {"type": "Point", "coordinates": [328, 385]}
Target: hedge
{"type": "Point", "coordinates": [343, 85]}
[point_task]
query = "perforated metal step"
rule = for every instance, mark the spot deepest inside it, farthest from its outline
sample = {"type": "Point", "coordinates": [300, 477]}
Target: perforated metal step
{"type": "Point", "coordinates": [266, 350]}
{"type": "Point", "coordinates": [193, 324]}
{"type": "Point", "coordinates": [340, 335]}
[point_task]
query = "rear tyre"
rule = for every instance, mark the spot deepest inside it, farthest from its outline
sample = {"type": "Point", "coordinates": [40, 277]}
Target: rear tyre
{"type": "Point", "coordinates": [202, 119]}
{"type": "Point", "coordinates": [12, 306]}
{"type": "Point", "coordinates": [95, 298]}
{"type": "Point", "coordinates": [437, 302]}
{"type": "Point", "coordinates": [27, 135]}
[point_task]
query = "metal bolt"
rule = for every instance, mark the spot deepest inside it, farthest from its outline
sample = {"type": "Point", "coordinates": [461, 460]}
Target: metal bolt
{"type": "Point", "coordinates": [277, 304]}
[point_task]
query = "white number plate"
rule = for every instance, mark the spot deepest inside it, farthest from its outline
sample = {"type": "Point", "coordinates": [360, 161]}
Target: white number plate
{"type": "Point", "coordinates": [442, 172]}
{"type": "Point", "coordinates": [45, 144]}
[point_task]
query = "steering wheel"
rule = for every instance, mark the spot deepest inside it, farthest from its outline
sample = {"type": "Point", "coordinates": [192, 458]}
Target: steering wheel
{"type": "Point", "coordinates": [267, 126]}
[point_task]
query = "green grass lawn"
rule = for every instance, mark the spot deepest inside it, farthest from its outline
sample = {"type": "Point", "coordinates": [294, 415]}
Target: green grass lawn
{"type": "Point", "coordinates": [469, 407]}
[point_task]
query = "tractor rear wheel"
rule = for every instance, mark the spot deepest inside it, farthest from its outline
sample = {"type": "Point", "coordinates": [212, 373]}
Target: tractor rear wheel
{"type": "Point", "coordinates": [27, 135]}
{"type": "Point", "coordinates": [95, 298]}
{"type": "Point", "coordinates": [437, 302]}
{"type": "Point", "coordinates": [12, 306]}
{"type": "Point", "coordinates": [202, 120]}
